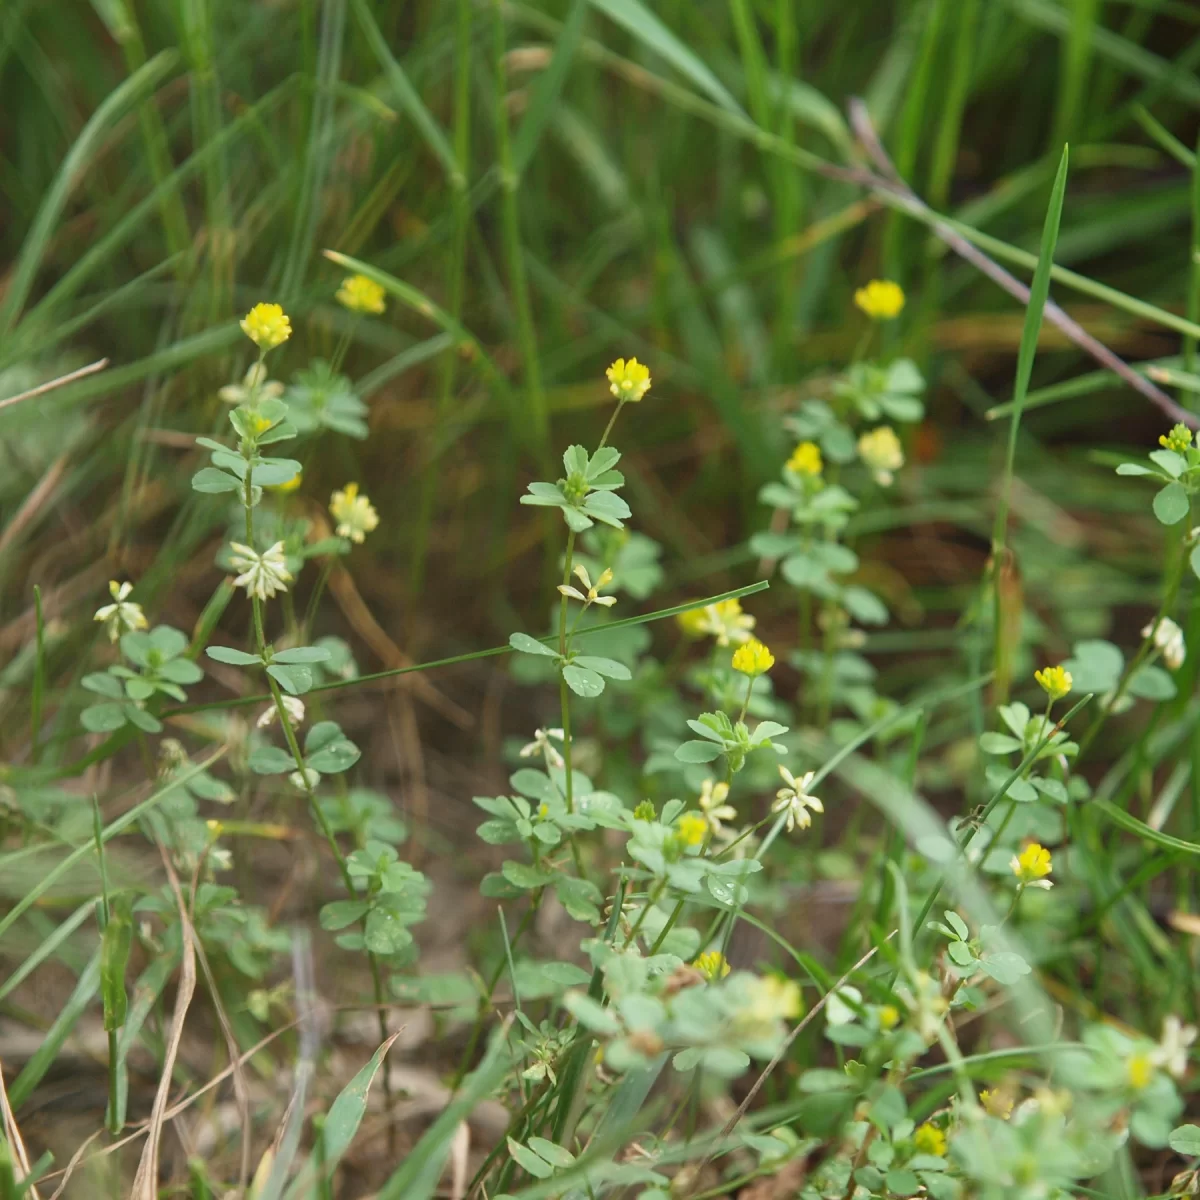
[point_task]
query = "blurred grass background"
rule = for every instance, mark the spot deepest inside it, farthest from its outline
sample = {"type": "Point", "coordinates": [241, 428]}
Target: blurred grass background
{"type": "Point", "coordinates": [569, 182]}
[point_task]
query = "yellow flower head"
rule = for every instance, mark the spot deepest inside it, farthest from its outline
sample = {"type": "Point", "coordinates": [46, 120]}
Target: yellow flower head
{"type": "Point", "coordinates": [881, 299]}
{"type": "Point", "coordinates": [1179, 439]}
{"type": "Point", "coordinates": [355, 514]}
{"type": "Point", "coordinates": [881, 453]}
{"type": "Point", "coordinates": [889, 1016]}
{"type": "Point", "coordinates": [628, 381]}
{"type": "Point", "coordinates": [996, 1103]}
{"type": "Point", "coordinates": [712, 965]}
{"type": "Point", "coordinates": [692, 623]}
{"type": "Point", "coordinates": [779, 996]}
{"type": "Point", "coordinates": [1139, 1070]}
{"type": "Point", "coordinates": [753, 659]}
{"type": "Point", "coordinates": [806, 459]}
{"type": "Point", "coordinates": [361, 295]}
{"type": "Point", "coordinates": [929, 1139]}
{"type": "Point", "coordinates": [1032, 865]}
{"type": "Point", "coordinates": [267, 326]}
{"type": "Point", "coordinates": [691, 829]}
{"type": "Point", "coordinates": [1055, 681]}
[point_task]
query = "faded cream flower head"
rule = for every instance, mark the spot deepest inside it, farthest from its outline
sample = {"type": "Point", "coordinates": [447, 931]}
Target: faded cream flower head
{"type": "Point", "coordinates": [292, 705]}
{"type": "Point", "coordinates": [592, 595]}
{"type": "Point", "coordinates": [122, 615]}
{"type": "Point", "coordinates": [628, 380]}
{"type": "Point", "coordinates": [1171, 1053]}
{"type": "Point", "coordinates": [753, 659]}
{"type": "Point", "coordinates": [1032, 866]}
{"type": "Point", "coordinates": [881, 299]}
{"type": "Point", "coordinates": [881, 454]}
{"type": "Point", "coordinates": [355, 514]}
{"type": "Point", "coordinates": [262, 575]}
{"type": "Point", "coordinates": [541, 745]}
{"type": "Point", "coordinates": [713, 806]}
{"type": "Point", "coordinates": [267, 326]}
{"type": "Point", "coordinates": [793, 799]}
{"type": "Point", "coordinates": [1168, 641]}
{"type": "Point", "coordinates": [361, 295]}
{"type": "Point", "coordinates": [254, 386]}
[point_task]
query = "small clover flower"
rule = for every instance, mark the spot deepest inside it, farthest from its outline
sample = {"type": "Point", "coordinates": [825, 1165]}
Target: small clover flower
{"type": "Point", "coordinates": [691, 829]}
{"type": "Point", "coordinates": [541, 745]}
{"type": "Point", "coordinates": [713, 806]}
{"type": "Point", "coordinates": [262, 575]}
{"type": "Point", "coordinates": [628, 381]}
{"type": "Point", "coordinates": [1032, 866]}
{"type": "Point", "coordinates": [267, 326]}
{"type": "Point", "coordinates": [255, 386]}
{"type": "Point", "coordinates": [122, 615]}
{"type": "Point", "coordinates": [361, 295]}
{"type": "Point", "coordinates": [355, 515]}
{"type": "Point", "coordinates": [1171, 1054]}
{"type": "Point", "coordinates": [929, 1139]}
{"type": "Point", "coordinates": [1139, 1070]}
{"type": "Point", "coordinates": [996, 1103]}
{"type": "Point", "coordinates": [881, 299]}
{"type": "Point", "coordinates": [305, 780]}
{"type": "Point", "coordinates": [889, 1016]}
{"type": "Point", "coordinates": [1168, 640]}
{"type": "Point", "coordinates": [806, 460]}
{"type": "Point", "coordinates": [292, 705]}
{"type": "Point", "coordinates": [753, 659]}
{"type": "Point", "coordinates": [712, 964]}
{"type": "Point", "coordinates": [723, 621]}
{"type": "Point", "coordinates": [793, 798]}
{"type": "Point", "coordinates": [1179, 439]}
{"type": "Point", "coordinates": [881, 454]}
{"type": "Point", "coordinates": [771, 999]}
{"type": "Point", "coordinates": [1054, 681]}
{"type": "Point", "coordinates": [593, 590]}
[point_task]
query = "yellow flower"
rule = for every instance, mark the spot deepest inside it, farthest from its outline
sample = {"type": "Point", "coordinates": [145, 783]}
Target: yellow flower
{"type": "Point", "coordinates": [1140, 1070]}
{"type": "Point", "coordinates": [881, 453]}
{"type": "Point", "coordinates": [929, 1139]}
{"type": "Point", "coordinates": [628, 381]}
{"type": "Point", "coordinates": [1055, 681]}
{"type": "Point", "coordinates": [781, 995]}
{"type": "Point", "coordinates": [753, 659]}
{"type": "Point", "coordinates": [806, 459]}
{"type": "Point", "coordinates": [996, 1103]}
{"type": "Point", "coordinates": [881, 299]}
{"type": "Point", "coordinates": [355, 515]}
{"type": "Point", "coordinates": [889, 1016]}
{"type": "Point", "coordinates": [1032, 866]}
{"type": "Point", "coordinates": [712, 965]}
{"type": "Point", "coordinates": [691, 829]}
{"type": "Point", "coordinates": [267, 326]}
{"type": "Point", "coordinates": [1179, 439]}
{"type": "Point", "coordinates": [360, 294]}
{"type": "Point", "coordinates": [723, 621]}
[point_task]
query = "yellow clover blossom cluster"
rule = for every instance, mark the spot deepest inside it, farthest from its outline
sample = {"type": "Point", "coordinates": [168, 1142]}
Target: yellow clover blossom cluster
{"type": "Point", "coordinates": [628, 380]}
{"type": "Point", "coordinates": [691, 829]}
{"type": "Point", "coordinates": [1033, 866]}
{"type": "Point", "coordinates": [723, 621]}
{"type": "Point", "coordinates": [1054, 681]}
{"type": "Point", "coordinates": [996, 1103]}
{"type": "Point", "coordinates": [267, 326]}
{"type": "Point", "coordinates": [355, 514]}
{"type": "Point", "coordinates": [881, 299]}
{"type": "Point", "coordinates": [806, 460]}
{"type": "Point", "coordinates": [753, 659]}
{"type": "Point", "coordinates": [712, 964]}
{"type": "Point", "coordinates": [929, 1139]}
{"type": "Point", "coordinates": [361, 295]}
{"type": "Point", "coordinates": [1179, 439]}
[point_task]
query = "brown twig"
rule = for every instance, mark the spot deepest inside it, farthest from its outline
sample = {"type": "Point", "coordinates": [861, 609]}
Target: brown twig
{"type": "Point", "coordinates": [50, 385]}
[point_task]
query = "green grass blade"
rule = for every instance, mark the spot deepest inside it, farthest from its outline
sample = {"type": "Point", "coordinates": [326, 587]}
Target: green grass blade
{"type": "Point", "coordinates": [73, 168]}
{"type": "Point", "coordinates": [1038, 293]}
{"type": "Point", "coordinates": [47, 947]}
{"type": "Point", "coordinates": [655, 36]}
{"type": "Point", "coordinates": [43, 1057]}
{"type": "Point", "coordinates": [406, 95]}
